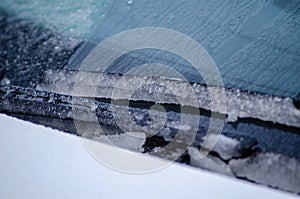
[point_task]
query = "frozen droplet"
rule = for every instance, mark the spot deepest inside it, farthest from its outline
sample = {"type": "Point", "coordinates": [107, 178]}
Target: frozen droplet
{"type": "Point", "coordinates": [51, 98]}
{"type": "Point", "coordinates": [5, 82]}
{"type": "Point", "coordinates": [105, 5]}
{"type": "Point", "coordinates": [129, 2]}
{"type": "Point", "coordinates": [102, 14]}
{"type": "Point", "coordinates": [170, 17]}
{"type": "Point", "coordinates": [167, 134]}
{"type": "Point", "coordinates": [232, 117]}
{"type": "Point", "coordinates": [139, 117]}
{"type": "Point", "coordinates": [94, 107]}
{"type": "Point", "coordinates": [184, 127]}
{"type": "Point", "coordinates": [56, 48]}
